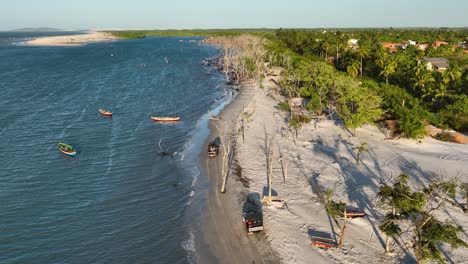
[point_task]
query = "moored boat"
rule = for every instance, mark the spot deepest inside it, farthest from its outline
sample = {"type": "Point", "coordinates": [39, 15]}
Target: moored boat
{"type": "Point", "coordinates": [67, 149]}
{"type": "Point", "coordinates": [165, 119]}
{"type": "Point", "coordinates": [105, 112]}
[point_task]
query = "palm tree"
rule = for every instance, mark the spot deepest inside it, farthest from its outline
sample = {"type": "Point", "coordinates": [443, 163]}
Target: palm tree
{"type": "Point", "coordinates": [361, 53]}
{"type": "Point", "coordinates": [340, 42]}
{"type": "Point", "coordinates": [388, 69]}
{"type": "Point", "coordinates": [325, 46]}
{"type": "Point", "coordinates": [353, 68]}
{"type": "Point", "coordinates": [421, 81]}
{"type": "Point", "coordinates": [451, 75]}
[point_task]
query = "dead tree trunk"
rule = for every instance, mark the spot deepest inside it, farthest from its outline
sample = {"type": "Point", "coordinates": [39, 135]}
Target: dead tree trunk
{"type": "Point", "coordinates": [226, 140]}
{"type": "Point", "coordinates": [269, 155]}
{"type": "Point", "coordinates": [343, 229]}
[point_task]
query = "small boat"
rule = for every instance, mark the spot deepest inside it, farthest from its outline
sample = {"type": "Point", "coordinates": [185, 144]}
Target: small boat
{"type": "Point", "coordinates": [165, 119]}
{"type": "Point", "coordinates": [105, 112]}
{"type": "Point", "coordinates": [323, 242]}
{"type": "Point", "coordinates": [67, 149]}
{"type": "Point", "coordinates": [352, 213]}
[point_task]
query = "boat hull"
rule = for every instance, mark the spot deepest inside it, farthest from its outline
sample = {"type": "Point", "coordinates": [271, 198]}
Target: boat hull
{"type": "Point", "coordinates": [67, 150]}
{"type": "Point", "coordinates": [70, 154]}
{"type": "Point", "coordinates": [165, 119]}
{"type": "Point", "coordinates": [105, 113]}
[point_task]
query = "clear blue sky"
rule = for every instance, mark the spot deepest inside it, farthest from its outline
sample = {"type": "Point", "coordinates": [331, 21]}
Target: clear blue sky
{"type": "Point", "coordinates": [158, 14]}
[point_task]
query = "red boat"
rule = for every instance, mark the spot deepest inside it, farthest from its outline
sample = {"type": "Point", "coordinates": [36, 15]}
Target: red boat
{"type": "Point", "coordinates": [105, 112]}
{"type": "Point", "coordinates": [352, 213]}
{"type": "Point", "coordinates": [165, 119]}
{"type": "Point", "coordinates": [323, 242]}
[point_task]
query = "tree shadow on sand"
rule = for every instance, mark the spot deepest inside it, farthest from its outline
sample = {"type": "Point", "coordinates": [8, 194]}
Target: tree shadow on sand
{"type": "Point", "coordinates": [355, 180]}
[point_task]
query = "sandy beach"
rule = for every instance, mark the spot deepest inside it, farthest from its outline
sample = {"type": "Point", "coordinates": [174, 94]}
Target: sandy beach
{"type": "Point", "coordinates": [225, 239]}
{"type": "Point", "coordinates": [71, 40]}
{"type": "Point", "coordinates": [321, 158]}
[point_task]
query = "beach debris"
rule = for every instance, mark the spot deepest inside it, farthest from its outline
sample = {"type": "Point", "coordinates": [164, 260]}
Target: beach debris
{"type": "Point", "coordinates": [166, 152]}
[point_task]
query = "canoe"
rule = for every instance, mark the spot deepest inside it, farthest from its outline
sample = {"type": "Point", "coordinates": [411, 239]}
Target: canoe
{"type": "Point", "coordinates": [105, 112]}
{"type": "Point", "coordinates": [67, 149]}
{"type": "Point", "coordinates": [323, 244]}
{"type": "Point", "coordinates": [165, 119]}
{"type": "Point", "coordinates": [352, 213]}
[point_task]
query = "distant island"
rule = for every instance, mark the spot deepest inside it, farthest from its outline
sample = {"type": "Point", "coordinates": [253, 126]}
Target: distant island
{"type": "Point", "coordinates": [39, 29]}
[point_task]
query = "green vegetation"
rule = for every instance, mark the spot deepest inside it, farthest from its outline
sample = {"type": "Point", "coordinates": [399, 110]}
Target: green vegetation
{"type": "Point", "coordinates": [409, 91]}
{"type": "Point", "coordinates": [131, 34]}
{"type": "Point", "coordinates": [417, 209]}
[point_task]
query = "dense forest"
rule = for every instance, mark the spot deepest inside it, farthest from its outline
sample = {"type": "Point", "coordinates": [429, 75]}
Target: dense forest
{"type": "Point", "coordinates": [188, 33]}
{"type": "Point", "coordinates": [327, 66]}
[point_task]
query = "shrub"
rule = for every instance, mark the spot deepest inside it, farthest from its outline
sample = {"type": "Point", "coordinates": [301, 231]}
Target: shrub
{"type": "Point", "coordinates": [284, 106]}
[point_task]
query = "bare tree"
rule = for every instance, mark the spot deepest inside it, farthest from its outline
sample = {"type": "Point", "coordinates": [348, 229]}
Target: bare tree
{"type": "Point", "coordinates": [227, 140]}
{"type": "Point", "coordinates": [360, 150]}
{"type": "Point", "coordinates": [269, 155]}
{"type": "Point", "coordinates": [284, 164]}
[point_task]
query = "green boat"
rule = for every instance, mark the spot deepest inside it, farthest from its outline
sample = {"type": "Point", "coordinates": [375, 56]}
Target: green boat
{"type": "Point", "coordinates": [67, 149]}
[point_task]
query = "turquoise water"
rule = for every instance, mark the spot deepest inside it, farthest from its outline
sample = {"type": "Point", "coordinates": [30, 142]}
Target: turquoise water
{"type": "Point", "coordinates": [118, 201]}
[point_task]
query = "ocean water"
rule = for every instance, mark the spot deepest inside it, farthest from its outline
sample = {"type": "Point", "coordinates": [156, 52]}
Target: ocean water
{"type": "Point", "coordinates": [118, 201]}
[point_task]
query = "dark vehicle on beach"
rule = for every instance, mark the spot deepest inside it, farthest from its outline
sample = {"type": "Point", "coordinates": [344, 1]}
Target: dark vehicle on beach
{"type": "Point", "coordinates": [213, 147]}
{"type": "Point", "coordinates": [253, 221]}
{"type": "Point", "coordinates": [252, 213]}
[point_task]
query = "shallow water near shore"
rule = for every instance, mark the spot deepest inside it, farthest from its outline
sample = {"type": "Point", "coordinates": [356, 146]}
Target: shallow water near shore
{"type": "Point", "coordinates": [117, 201]}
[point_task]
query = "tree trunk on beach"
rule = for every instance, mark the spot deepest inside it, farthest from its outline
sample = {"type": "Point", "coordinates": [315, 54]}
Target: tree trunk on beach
{"type": "Point", "coordinates": [226, 138]}
{"type": "Point", "coordinates": [343, 229]}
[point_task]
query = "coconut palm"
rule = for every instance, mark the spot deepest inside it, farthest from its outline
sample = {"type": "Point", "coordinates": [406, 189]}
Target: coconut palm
{"type": "Point", "coordinates": [388, 69]}
{"type": "Point", "coordinates": [422, 80]}
{"type": "Point", "coordinates": [362, 53]}
{"type": "Point", "coordinates": [353, 68]}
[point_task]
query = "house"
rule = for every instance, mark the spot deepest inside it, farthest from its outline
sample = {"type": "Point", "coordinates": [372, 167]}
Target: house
{"type": "Point", "coordinates": [436, 64]}
{"type": "Point", "coordinates": [463, 45]}
{"type": "Point", "coordinates": [408, 43]}
{"type": "Point", "coordinates": [439, 43]}
{"type": "Point", "coordinates": [353, 42]}
{"type": "Point", "coordinates": [422, 46]}
{"type": "Point", "coordinates": [391, 46]}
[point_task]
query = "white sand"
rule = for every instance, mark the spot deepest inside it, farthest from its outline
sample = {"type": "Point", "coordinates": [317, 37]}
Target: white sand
{"type": "Point", "coordinates": [71, 40]}
{"type": "Point", "coordinates": [324, 159]}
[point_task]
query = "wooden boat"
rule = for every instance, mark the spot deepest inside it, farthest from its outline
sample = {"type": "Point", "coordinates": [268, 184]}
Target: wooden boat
{"type": "Point", "coordinates": [323, 242]}
{"type": "Point", "coordinates": [353, 213]}
{"type": "Point", "coordinates": [67, 149]}
{"type": "Point", "coordinates": [105, 112]}
{"type": "Point", "coordinates": [165, 119]}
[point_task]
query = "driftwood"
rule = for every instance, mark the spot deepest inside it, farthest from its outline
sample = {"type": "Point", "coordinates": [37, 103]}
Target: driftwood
{"type": "Point", "coordinates": [166, 152]}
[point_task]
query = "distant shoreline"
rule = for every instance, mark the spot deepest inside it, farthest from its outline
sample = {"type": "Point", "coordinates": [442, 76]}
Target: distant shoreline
{"type": "Point", "coordinates": [72, 40]}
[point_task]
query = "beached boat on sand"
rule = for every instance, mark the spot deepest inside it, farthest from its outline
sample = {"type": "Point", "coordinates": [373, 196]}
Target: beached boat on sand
{"type": "Point", "coordinates": [165, 119]}
{"type": "Point", "coordinates": [105, 112]}
{"type": "Point", "coordinates": [353, 213]}
{"type": "Point", "coordinates": [67, 149]}
{"type": "Point", "coordinates": [323, 242]}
